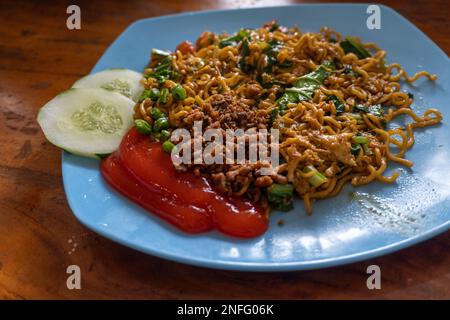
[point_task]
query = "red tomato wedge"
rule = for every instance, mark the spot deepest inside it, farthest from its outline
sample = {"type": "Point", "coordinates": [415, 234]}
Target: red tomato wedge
{"type": "Point", "coordinates": [144, 173]}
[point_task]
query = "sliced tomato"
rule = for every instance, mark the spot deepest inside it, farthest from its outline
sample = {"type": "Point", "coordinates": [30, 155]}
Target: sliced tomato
{"type": "Point", "coordinates": [143, 172]}
{"type": "Point", "coordinates": [183, 215]}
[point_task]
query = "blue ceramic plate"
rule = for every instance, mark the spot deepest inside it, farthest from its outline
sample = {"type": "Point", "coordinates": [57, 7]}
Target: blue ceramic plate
{"type": "Point", "coordinates": [360, 223]}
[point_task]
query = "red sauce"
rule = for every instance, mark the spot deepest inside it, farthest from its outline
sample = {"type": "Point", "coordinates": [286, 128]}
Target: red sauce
{"type": "Point", "coordinates": [144, 173]}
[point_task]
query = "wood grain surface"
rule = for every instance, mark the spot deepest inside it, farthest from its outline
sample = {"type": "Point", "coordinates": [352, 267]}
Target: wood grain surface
{"type": "Point", "coordinates": [39, 236]}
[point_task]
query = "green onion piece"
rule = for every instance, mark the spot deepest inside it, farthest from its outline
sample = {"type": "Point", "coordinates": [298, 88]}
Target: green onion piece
{"type": "Point", "coordinates": [355, 149]}
{"type": "Point", "coordinates": [156, 113]}
{"type": "Point", "coordinates": [355, 116]}
{"type": "Point", "coordinates": [168, 146]}
{"type": "Point", "coordinates": [317, 179]}
{"type": "Point", "coordinates": [163, 97]}
{"type": "Point", "coordinates": [161, 124]}
{"type": "Point", "coordinates": [149, 93]}
{"type": "Point", "coordinates": [360, 139]}
{"type": "Point", "coordinates": [352, 45]}
{"type": "Point", "coordinates": [274, 27]}
{"type": "Point", "coordinates": [367, 150]}
{"type": "Point", "coordinates": [143, 126]}
{"type": "Point", "coordinates": [165, 135]}
{"type": "Point", "coordinates": [280, 196]}
{"type": "Point", "coordinates": [178, 92]}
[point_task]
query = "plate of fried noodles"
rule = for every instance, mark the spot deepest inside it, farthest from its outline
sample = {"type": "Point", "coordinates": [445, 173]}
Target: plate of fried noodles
{"type": "Point", "coordinates": [363, 134]}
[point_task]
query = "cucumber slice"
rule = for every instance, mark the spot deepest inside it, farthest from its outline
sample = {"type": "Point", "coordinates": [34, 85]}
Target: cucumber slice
{"type": "Point", "coordinates": [87, 122]}
{"type": "Point", "coordinates": [126, 82]}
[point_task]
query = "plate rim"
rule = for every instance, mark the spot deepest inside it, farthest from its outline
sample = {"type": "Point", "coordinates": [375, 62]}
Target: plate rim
{"type": "Point", "coordinates": [257, 266]}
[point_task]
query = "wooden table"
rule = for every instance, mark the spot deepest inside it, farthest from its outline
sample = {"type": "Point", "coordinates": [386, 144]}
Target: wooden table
{"type": "Point", "coordinates": [39, 236]}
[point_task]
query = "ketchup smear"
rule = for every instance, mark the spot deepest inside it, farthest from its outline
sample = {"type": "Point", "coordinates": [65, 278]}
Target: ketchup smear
{"type": "Point", "coordinates": [144, 173]}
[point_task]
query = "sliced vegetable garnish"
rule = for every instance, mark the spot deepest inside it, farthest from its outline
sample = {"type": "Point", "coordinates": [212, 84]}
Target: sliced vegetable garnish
{"type": "Point", "coordinates": [280, 196]}
{"type": "Point", "coordinates": [165, 135]}
{"type": "Point", "coordinates": [143, 126]}
{"type": "Point", "coordinates": [161, 124]}
{"type": "Point", "coordinates": [86, 121]}
{"type": "Point", "coordinates": [126, 82]}
{"type": "Point", "coordinates": [352, 45]}
{"type": "Point", "coordinates": [153, 94]}
{"type": "Point", "coordinates": [156, 113]}
{"type": "Point", "coordinates": [161, 67]}
{"type": "Point", "coordinates": [178, 92]}
{"type": "Point", "coordinates": [163, 96]}
{"type": "Point", "coordinates": [359, 139]}
{"type": "Point", "coordinates": [317, 178]}
{"type": "Point", "coordinates": [168, 146]}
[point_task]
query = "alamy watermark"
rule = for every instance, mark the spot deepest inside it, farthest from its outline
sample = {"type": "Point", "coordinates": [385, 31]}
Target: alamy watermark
{"type": "Point", "coordinates": [73, 21]}
{"type": "Point", "coordinates": [374, 20]}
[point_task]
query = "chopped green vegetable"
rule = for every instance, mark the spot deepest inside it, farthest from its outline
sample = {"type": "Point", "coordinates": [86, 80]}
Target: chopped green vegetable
{"type": "Point", "coordinates": [274, 27]}
{"type": "Point", "coordinates": [356, 149]}
{"type": "Point", "coordinates": [305, 85]}
{"type": "Point", "coordinates": [143, 126]}
{"type": "Point", "coordinates": [339, 105]}
{"type": "Point", "coordinates": [366, 149]}
{"type": "Point", "coordinates": [162, 69]}
{"type": "Point", "coordinates": [160, 124]}
{"type": "Point", "coordinates": [376, 110]}
{"type": "Point", "coordinates": [163, 96]}
{"type": "Point", "coordinates": [234, 39]}
{"type": "Point", "coordinates": [352, 45]}
{"type": "Point", "coordinates": [360, 139]}
{"type": "Point", "coordinates": [165, 135]}
{"type": "Point", "coordinates": [243, 53]}
{"type": "Point", "coordinates": [355, 116]}
{"type": "Point", "coordinates": [348, 69]}
{"type": "Point", "coordinates": [317, 179]}
{"type": "Point", "coordinates": [168, 146]}
{"type": "Point", "coordinates": [149, 93]}
{"type": "Point", "coordinates": [280, 196]}
{"type": "Point", "coordinates": [178, 92]}
{"type": "Point", "coordinates": [158, 53]}
{"type": "Point", "coordinates": [410, 95]}
{"type": "Point", "coordinates": [156, 113]}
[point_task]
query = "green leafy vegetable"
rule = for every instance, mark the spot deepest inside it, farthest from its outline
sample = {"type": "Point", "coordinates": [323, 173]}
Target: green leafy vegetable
{"type": "Point", "coordinates": [305, 85]}
{"type": "Point", "coordinates": [356, 149]}
{"type": "Point", "coordinates": [274, 27]}
{"type": "Point", "coordinates": [280, 196]}
{"type": "Point", "coordinates": [162, 70]}
{"type": "Point", "coordinates": [234, 39]}
{"type": "Point", "coordinates": [340, 107]}
{"type": "Point", "coordinates": [376, 109]}
{"type": "Point", "coordinates": [352, 45]}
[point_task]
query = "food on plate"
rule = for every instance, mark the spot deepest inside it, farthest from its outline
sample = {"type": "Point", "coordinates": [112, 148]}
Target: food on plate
{"type": "Point", "coordinates": [332, 100]}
